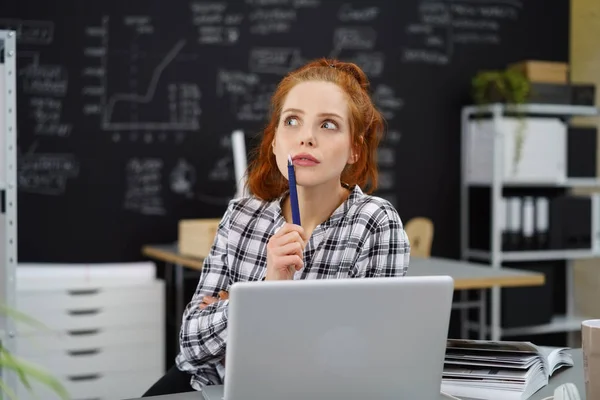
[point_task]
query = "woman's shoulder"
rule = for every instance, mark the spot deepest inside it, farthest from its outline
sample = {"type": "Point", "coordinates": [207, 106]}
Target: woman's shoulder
{"type": "Point", "coordinates": [375, 210]}
{"type": "Point", "coordinates": [246, 208]}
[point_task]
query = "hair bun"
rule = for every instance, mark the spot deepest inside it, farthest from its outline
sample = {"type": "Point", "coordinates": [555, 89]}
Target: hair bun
{"type": "Point", "coordinates": [349, 68]}
{"type": "Point", "coordinates": [354, 70]}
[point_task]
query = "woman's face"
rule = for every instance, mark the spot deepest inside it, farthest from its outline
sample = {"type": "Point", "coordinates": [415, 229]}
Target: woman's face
{"type": "Point", "coordinates": [314, 129]}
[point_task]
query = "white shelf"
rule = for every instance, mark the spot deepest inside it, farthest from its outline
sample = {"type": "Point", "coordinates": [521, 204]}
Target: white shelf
{"type": "Point", "coordinates": [496, 179]}
{"type": "Point", "coordinates": [569, 183]}
{"type": "Point", "coordinates": [558, 324]}
{"type": "Point", "coordinates": [549, 109]}
{"type": "Point", "coordinates": [534, 255]}
{"type": "Point", "coordinates": [582, 183]}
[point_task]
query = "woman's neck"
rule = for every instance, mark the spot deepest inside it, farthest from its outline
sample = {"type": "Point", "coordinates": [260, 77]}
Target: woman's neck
{"type": "Point", "coordinates": [316, 205]}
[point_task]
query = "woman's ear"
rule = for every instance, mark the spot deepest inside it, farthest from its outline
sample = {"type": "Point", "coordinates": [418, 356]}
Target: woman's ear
{"type": "Point", "coordinates": [355, 152]}
{"type": "Point", "coordinates": [353, 156]}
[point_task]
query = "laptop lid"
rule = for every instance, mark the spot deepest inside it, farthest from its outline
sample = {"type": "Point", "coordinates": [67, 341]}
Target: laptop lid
{"type": "Point", "coordinates": [213, 392]}
{"type": "Point", "coordinates": [375, 338]}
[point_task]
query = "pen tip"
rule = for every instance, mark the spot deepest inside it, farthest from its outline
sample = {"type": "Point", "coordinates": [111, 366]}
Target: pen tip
{"type": "Point", "coordinates": [289, 159]}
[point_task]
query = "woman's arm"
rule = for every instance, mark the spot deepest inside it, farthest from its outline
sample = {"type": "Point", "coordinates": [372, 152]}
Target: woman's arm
{"type": "Point", "coordinates": [204, 329]}
{"type": "Point", "coordinates": [386, 250]}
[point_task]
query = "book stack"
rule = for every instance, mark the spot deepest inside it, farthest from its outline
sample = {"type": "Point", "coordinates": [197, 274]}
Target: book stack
{"type": "Point", "coordinates": [482, 369]}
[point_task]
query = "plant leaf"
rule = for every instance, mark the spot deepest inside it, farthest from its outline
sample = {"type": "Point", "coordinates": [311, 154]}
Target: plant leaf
{"type": "Point", "coordinates": [36, 373]}
{"type": "Point", "coordinates": [21, 317]}
{"type": "Point", "coordinates": [22, 377]}
{"type": "Point", "coordinates": [9, 392]}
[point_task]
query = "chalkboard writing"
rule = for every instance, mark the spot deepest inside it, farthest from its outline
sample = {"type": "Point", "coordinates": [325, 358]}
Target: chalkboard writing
{"type": "Point", "coordinates": [125, 107]}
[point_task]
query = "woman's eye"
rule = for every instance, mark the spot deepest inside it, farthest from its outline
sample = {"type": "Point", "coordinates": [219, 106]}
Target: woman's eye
{"type": "Point", "coordinates": [291, 121]}
{"type": "Point", "coordinates": [329, 125]}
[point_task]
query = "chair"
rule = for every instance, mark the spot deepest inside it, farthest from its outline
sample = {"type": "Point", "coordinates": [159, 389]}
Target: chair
{"type": "Point", "coordinates": [420, 234]}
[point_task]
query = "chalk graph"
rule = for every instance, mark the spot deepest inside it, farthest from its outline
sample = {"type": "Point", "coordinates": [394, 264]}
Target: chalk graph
{"type": "Point", "coordinates": [138, 93]}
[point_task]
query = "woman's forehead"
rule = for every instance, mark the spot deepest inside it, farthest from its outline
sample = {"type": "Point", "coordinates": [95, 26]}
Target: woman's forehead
{"type": "Point", "coordinates": [317, 97]}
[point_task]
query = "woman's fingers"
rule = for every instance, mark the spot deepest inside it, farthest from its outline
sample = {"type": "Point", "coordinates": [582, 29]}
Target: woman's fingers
{"type": "Point", "coordinates": [294, 261]}
{"type": "Point", "coordinates": [288, 228]}
{"type": "Point", "coordinates": [223, 295]}
{"type": "Point", "coordinates": [290, 249]}
{"type": "Point", "coordinates": [207, 300]}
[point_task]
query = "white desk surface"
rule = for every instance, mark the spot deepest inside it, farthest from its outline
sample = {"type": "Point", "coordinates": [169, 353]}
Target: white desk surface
{"type": "Point", "coordinates": [573, 374]}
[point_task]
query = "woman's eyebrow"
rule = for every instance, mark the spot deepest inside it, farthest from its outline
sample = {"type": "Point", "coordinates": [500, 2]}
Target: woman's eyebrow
{"type": "Point", "coordinates": [324, 114]}
{"type": "Point", "coordinates": [294, 110]}
{"type": "Point", "coordinates": [331, 114]}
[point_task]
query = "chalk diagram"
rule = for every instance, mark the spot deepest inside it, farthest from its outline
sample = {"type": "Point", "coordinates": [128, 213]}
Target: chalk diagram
{"type": "Point", "coordinates": [138, 89]}
{"type": "Point", "coordinates": [441, 26]}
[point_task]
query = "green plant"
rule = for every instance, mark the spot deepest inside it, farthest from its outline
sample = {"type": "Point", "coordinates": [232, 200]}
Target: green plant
{"type": "Point", "coordinates": [504, 86]}
{"type": "Point", "coordinates": [509, 86]}
{"type": "Point", "coordinates": [25, 371]}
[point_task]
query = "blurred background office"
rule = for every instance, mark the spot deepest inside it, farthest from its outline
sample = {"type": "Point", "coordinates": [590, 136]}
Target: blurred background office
{"type": "Point", "coordinates": [130, 117]}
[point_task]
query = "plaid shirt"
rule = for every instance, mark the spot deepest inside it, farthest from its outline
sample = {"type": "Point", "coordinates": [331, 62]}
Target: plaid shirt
{"type": "Point", "coordinates": [364, 237]}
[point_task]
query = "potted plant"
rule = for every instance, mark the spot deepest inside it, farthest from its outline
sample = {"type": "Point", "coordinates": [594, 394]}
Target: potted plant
{"type": "Point", "coordinates": [25, 371]}
{"type": "Point", "coordinates": [503, 86]}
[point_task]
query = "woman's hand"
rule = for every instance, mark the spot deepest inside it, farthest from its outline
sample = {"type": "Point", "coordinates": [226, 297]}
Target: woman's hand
{"type": "Point", "coordinates": [207, 300]}
{"type": "Point", "coordinates": [284, 252]}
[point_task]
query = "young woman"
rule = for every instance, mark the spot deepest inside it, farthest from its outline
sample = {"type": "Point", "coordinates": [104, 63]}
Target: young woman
{"type": "Point", "coordinates": [323, 117]}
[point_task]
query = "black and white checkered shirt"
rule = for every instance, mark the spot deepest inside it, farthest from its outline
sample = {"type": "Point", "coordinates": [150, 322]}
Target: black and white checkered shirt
{"type": "Point", "coordinates": [364, 237]}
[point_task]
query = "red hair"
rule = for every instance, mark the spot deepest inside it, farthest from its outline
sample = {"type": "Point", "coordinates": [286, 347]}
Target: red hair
{"type": "Point", "coordinates": [266, 182]}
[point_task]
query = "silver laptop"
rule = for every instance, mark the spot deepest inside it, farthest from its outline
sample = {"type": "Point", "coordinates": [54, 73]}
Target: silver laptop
{"type": "Point", "coordinates": [375, 338]}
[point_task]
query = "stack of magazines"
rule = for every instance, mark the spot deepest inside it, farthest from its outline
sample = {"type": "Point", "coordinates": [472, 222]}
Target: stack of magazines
{"type": "Point", "coordinates": [482, 369]}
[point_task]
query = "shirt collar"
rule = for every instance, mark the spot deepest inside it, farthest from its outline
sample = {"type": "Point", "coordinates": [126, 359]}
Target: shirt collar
{"type": "Point", "coordinates": [277, 214]}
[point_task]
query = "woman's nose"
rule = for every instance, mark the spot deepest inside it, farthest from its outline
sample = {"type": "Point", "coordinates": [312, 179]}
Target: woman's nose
{"type": "Point", "coordinates": [307, 138]}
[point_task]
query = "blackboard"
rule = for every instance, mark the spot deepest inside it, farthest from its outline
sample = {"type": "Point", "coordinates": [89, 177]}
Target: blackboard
{"type": "Point", "coordinates": [125, 107]}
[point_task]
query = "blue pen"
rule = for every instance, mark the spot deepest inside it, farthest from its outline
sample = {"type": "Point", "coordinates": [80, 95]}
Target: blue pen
{"type": "Point", "coordinates": [293, 192]}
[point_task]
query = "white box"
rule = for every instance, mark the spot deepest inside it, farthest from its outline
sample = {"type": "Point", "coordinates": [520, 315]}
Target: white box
{"type": "Point", "coordinates": [543, 152]}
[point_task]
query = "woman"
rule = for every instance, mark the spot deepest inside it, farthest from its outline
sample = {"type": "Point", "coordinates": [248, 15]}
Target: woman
{"type": "Point", "coordinates": [323, 117]}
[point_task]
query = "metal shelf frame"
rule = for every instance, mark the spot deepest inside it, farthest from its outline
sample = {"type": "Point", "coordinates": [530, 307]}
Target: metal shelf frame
{"type": "Point", "coordinates": [495, 256]}
{"type": "Point", "coordinates": [8, 192]}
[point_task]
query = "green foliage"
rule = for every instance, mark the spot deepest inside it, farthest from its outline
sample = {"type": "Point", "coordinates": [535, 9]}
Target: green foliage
{"type": "Point", "coordinates": [503, 86]}
{"type": "Point", "coordinates": [509, 86]}
{"type": "Point", "coordinates": [25, 371]}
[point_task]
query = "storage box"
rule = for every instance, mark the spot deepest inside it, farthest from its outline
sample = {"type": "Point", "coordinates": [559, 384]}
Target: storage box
{"type": "Point", "coordinates": [539, 142]}
{"type": "Point", "coordinates": [543, 71]}
{"type": "Point", "coordinates": [571, 222]}
{"type": "Point", "coordinates": [526, 306]}
{"type": "Point", "coordinates": [549, 93]}
{"type": "Point", "coordinates": [582, 152]}
{"type": "Point", "coordinates": [583, 94]}
{"type": "Point", "coordinates": [196, 236]}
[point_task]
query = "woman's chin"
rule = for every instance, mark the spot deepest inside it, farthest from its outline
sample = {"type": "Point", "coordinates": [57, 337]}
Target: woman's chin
{"type": "Point", "coordinates": [313, 183]}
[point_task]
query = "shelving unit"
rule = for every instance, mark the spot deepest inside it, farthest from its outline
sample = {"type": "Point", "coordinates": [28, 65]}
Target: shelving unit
{"type": "Point", "coordinates": [8, 191]}
{"type": "Point", "coordinates": [495, 256]}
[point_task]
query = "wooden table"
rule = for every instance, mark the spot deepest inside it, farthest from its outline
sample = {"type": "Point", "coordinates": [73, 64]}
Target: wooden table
{"type": "Point", "coordinates": [466, 275]}
{"type": "Point", "coordinates": [470, 275]}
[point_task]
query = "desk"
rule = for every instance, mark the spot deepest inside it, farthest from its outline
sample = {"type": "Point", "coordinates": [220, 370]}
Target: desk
{"type": "Point", "coordinates": [573, 374]}
{"type": "Point", "coordinates": [466, 275]}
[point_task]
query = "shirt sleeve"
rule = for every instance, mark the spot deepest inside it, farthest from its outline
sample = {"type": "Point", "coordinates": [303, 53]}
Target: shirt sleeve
{"type": "Point", "coordinates": [204, 332]}
{"type": "Point", "coordinates": [386, 252]}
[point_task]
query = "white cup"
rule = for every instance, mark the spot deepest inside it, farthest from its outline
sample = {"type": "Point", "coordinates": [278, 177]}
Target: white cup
{"type": "Point", "coordinates": [590, 343]}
